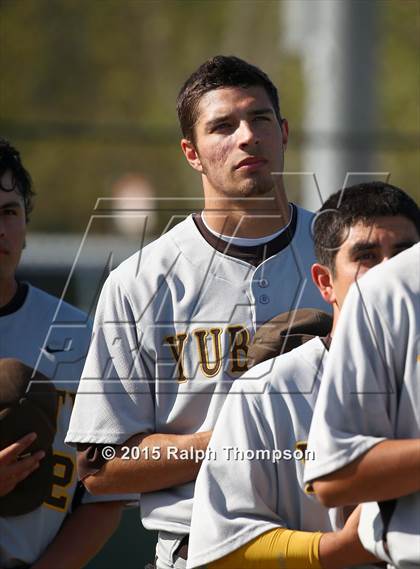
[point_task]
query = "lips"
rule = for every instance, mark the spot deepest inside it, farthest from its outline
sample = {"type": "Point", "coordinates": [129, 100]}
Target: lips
{"type": "Point", "coordinates": [251, 162]}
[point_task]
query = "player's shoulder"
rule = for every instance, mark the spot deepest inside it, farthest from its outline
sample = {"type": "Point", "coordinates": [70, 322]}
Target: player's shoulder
{"type": "Point", "coordinates": [303, 235]}
{"type": "Point", "coordinates": [297, 370]}
{"type": "Point", "coordinates": [159, 253]}
{"type": "Point", "coordinates": [305, 218]}
{"type": "Point", "coordinates": [277, 391]}
{"type": "Point", "coordinates": [304, 214]}
{"type": "Point", "coordinates": [53, 307]}
{"type": "Point", "coordinates": [292, 372]}
{"type": "Point", "coordinates": [51, 319]}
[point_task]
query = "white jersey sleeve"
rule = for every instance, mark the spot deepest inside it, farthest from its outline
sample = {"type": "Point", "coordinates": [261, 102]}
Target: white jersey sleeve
{"type": "Point", "coordinates": [116, 379]}
{"type": "Point", "coordinates": [251, 480]}
{"type": "Point", "coordinates": [353, 382]}
{"type": "Point", "coordinates": [371, 389]}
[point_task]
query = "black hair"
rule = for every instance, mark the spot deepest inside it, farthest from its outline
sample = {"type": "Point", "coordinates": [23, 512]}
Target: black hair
{"type": "Point", "coordinates": [359, 203]}
{"type": "Point", "coordinates": [21, 180]}
{"type": "Point", "coordinates": [215, 73]}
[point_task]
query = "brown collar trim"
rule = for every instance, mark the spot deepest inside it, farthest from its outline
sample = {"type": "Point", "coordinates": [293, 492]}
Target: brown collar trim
{"type": "Point", "coordinates": [253, 255]}
{"type": "Point", "coordinates": [17, 301]}
{"type": "Point", "coordinates": [326, 340]}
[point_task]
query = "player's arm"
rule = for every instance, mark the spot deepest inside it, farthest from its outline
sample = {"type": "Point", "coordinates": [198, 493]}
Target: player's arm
{"type": "Point", "coordinates": [89, 527]}
{"type": "Point", "coordinates": [357, 458]}
{"type": "Point", "coordinates": [158, 465]}
{"type": "Point", "coordinates": [383, 473]}
{"type": "Point", "coordinates": [291, 549]}
{"type": "Point", "coordinates": [127, 403]}
{"type": "Point", "coordinates": [15, 466]}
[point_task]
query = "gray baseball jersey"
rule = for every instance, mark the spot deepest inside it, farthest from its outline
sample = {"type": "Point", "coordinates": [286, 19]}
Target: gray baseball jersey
{"type": "Point", "coordinates": [58, 353]}
{"type": "Point", "coordinates": [252, 478]}
{"type": "Point", "coordinates": [171, 332]}
{"type": "Point", "coordinates": [371, 391]}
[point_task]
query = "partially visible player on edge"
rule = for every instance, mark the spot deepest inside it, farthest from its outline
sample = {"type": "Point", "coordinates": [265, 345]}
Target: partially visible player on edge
{"type": "Point", "coordinates": [366, 427]}
{"type": "Point", "coordinates": [254, 512]}
{"type": "Point", "coordinates": [174, 323]}
{"type": "Point", "coordinates": [53, 535]}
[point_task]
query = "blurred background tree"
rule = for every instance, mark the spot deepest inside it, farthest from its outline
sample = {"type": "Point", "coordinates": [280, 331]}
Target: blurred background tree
{"type": "Point", "coordinates": [87, 94]}
{"type": "Point", "coordinates": [88, 91]}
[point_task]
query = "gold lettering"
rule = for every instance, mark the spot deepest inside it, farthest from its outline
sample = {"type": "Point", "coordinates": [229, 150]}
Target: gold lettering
{"type": "Point", "coordinates": [62, 480]}
{"type": "Point", "coordinates": [177, 343]}
{"type": "Point", "coordinates": [209, 368]}
{"type": "Point", "coordinates": [239, 342]}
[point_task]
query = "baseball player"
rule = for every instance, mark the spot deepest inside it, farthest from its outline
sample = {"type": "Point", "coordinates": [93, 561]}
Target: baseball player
{"type": "Point", "coordinates": [174, 322]}
{"type": "Point", "coordinates": [366, 429]}
{"type": "Point", "coordinates": [52, 336]}
{"type": "Point", "coordinates": [250, 508]}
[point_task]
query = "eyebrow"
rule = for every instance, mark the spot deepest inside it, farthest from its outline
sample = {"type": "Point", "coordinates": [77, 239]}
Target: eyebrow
{"type": "Point", "coordinates": [266, 111]}
{"type": "Point", "coordinates": [363, 246]}
{"type": "Point", "coordinates": [10, 204]}
{"type": "Point", "coordinates": [214, 122]}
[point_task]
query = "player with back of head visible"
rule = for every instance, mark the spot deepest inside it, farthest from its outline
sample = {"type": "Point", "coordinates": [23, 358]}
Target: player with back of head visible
{"type": "Point", "coordinates": [173, 324]}
{"type": "Point", "coordinates": [366, 429]}
{"type": "Point", "coordinates": [53, 337]}
{"type": "Point", "coordinates": [255, 513]}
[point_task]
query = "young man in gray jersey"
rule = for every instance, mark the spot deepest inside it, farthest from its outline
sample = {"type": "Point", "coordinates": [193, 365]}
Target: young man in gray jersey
{"type": "Point", "coordinates": [250, 508]}
{"type": "Point", "coordinates": [52, 336]}
{"type": "Point", "coordinates": [174, 323]}
{"type": "Point", "coordinates": [366, 427]}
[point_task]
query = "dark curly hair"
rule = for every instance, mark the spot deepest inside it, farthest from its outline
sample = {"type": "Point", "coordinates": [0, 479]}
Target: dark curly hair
{"type": "Point", "coordinates": [359, 203]}
{"type": "Point", "coordinates": [215, 73]}
{"type": "Point", "coordinates": [21, 180]}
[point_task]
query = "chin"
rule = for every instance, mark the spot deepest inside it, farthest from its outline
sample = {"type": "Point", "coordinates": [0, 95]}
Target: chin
{"type": "Point", "coordinates": [248, 188]}
{"type": "Point", "coordinates": [257, 188]}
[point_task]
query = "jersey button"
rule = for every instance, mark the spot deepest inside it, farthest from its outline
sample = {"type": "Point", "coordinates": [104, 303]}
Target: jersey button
{"type": "Point", "coordinates": [263, 283]}
{"type": "Point", "coordinates": [264, 299]}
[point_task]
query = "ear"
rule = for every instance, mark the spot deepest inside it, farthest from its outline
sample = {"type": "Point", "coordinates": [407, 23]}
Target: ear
{"type": "Point", "coordinates": [285, 132]}
{"type": "Point", "coordinates": [323, 279]}
{"type": "Point", "coordinates": [191, 155]}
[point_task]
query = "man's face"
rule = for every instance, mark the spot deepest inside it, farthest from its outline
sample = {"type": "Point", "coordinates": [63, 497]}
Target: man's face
{"type": "Point", "coordinates": [367, 246]}
{"type": "Point", "coordinates": [12, 229]}
{"type": "Point", "coordinates": [238, 142]}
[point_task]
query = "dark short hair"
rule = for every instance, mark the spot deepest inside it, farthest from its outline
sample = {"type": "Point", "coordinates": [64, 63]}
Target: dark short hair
{"type": "Point", "coordinates": [215, 73]}
{"type": "Point", "coordinates": [21, 180]}
{"type": "Point", "coordinates": [359, 203]}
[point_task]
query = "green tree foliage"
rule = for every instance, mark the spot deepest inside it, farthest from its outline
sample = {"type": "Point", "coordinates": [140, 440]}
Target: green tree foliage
{"type": "Point", "coordinates": [88, 90]}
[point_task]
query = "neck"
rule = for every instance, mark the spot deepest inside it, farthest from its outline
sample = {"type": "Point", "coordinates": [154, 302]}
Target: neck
{"type": "Point", "coordinates": [336, 314]}
{"type": "Point", "coordinates": [250, 217]}
{"type": "Point", "coordinates": [8, 290]}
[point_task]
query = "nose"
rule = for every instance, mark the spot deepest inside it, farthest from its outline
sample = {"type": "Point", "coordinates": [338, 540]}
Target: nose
{"type": "Point", "coordinates": [386, 257]}
{"type": "Point", "coordinates": [247, 134]}
{"type": "Point", "coordinates": [387, 251]}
